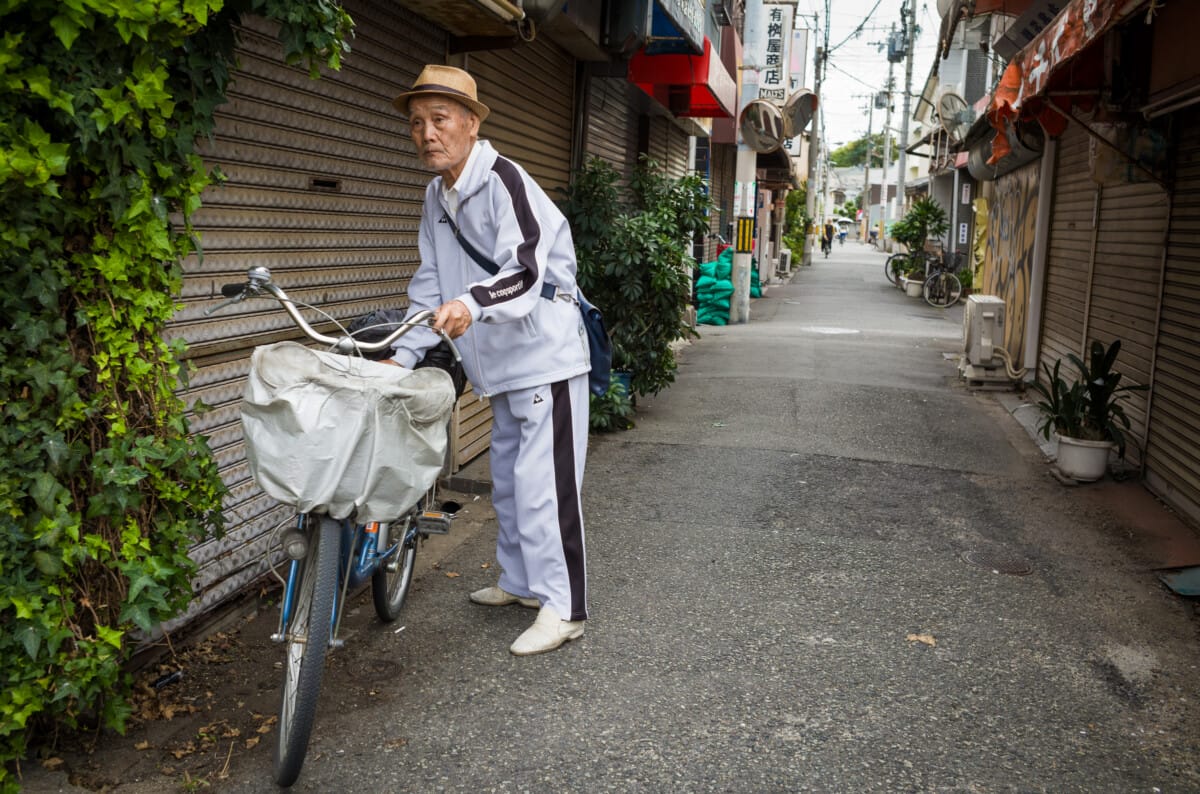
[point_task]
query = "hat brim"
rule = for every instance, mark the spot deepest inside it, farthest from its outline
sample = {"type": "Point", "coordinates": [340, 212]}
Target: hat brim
{"type": "Point", "coordinates": [478, 108]}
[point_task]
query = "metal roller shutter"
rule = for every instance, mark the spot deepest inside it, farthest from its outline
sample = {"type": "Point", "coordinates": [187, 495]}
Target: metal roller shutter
{"type": "Point", "coordinates": [610, 132]}
{"type": "Point", "coordinates": [530, 91]}
{"type": "Point", "coordinates": [322, 186]}
{"type": "Point", "coordinates": [1071, 231]}
{"type": "Point", "coordinates": [1173, 449]}
{"type": "Point", "coordinates": [1125, 285]}
{"type": "Point", "coordinates": [668, 145]}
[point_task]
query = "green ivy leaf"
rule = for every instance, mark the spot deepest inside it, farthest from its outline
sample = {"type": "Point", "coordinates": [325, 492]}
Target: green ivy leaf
{"type": "Point", "coordinates": [31, 640]}
{"type": "Point", "coordinates": [66, 27]}
{"type": "Point", "coordinates": [110, 635]}
{"type": "Point", "coordinates": [48, 564]}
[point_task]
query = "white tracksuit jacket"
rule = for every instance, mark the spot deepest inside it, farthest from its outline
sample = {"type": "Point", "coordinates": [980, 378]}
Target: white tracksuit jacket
{"type": "Point", "coordinates": [518, 338]}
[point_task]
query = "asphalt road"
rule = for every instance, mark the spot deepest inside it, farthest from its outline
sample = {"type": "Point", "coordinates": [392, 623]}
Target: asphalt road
{"type": "Point", "coordinates": [819, 563]}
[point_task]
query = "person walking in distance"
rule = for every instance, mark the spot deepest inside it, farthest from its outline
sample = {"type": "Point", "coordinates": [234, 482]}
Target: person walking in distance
{"type": "Point", "coordinates": [498, 270]}
{"type": "Point", "coordinates": [827, 237]}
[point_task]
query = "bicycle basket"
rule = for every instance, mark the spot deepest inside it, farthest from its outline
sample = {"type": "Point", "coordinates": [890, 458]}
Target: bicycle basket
{"type": "Point", "coordinates": [342, 435]}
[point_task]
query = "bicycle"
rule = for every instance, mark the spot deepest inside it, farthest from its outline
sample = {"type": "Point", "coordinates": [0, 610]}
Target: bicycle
{"type": "Point", "coordinates": [942, 288]}
{"type": "Point", "coordinates": [899, 264]}
{"type": "Point", "coordinates": [329, 558]}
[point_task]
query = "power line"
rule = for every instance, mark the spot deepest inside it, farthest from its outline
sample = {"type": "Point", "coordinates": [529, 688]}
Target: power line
{"type": "Point", "coordinates": [858, 29]}
{"type": "Point", "coordinates": [853, 77]}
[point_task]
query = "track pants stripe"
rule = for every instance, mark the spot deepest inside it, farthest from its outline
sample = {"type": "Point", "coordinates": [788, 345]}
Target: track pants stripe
{"type": "Point", "coordinates": [570, 512]}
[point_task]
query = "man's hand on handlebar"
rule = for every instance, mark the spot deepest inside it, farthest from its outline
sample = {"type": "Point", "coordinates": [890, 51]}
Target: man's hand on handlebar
{"type": "Point", "coordinates": [454, 318]}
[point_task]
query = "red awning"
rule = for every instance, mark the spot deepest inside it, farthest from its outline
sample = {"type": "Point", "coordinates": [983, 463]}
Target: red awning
{"type": "Point", "coordinates": [1023, 88]}
{"type": "Point", "coordinates": [696, 86]}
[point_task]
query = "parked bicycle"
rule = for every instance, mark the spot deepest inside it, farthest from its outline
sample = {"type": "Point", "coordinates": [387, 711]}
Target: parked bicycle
{"type": "Point", "coordinates": [330, 552]}
{"type": "Point", "coordinates": [942, 288]}
{"type": "Point", "coordinates": [899, 264]}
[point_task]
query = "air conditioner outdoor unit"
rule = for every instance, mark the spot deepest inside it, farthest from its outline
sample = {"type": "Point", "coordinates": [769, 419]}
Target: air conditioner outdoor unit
{"type": "Point", "coordinates": [785, 260]}
{"type": "Point", "coordinates": [983, 332]}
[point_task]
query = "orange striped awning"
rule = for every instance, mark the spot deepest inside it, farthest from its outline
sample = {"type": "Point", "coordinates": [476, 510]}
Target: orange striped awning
{"type": "Point", "coordinates": [1023, 88]}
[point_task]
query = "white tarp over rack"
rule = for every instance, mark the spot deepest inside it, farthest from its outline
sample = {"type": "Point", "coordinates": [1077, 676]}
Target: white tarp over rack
{"type": "Point", "coordinates": [341, 435]}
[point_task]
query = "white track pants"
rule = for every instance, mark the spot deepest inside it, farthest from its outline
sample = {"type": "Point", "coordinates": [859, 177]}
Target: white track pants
{"type": "Point", "coordinates": [538, 450]}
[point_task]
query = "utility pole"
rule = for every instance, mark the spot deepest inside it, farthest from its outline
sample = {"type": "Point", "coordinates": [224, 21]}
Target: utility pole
{"type": "Point", "coordinates": [908, 14]}
{"type": "Point", "coordinates": [814, 137]}
{"type": "Point", "coordinates": [866, 194]}
{"type": "Point", "coordinates": [887, 154]}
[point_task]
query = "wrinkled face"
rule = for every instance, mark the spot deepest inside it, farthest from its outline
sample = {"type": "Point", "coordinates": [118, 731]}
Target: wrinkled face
{"type": "Point", "coordinates": [444, 132]}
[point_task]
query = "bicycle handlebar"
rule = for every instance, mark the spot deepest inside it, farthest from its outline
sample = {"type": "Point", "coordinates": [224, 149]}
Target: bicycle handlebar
{"type": "Point", "coordinates": [259, 285]}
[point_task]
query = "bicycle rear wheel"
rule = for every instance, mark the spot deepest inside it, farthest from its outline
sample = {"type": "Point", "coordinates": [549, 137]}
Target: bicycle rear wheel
{"type": "Point", "coordinates": [894, 266]}
{"type": "Point", "coordinates": [942, 290]}
{"type": "Point", "coordinates": [306, 642]}
{"type": "Point", "coordinates": [389, 585]}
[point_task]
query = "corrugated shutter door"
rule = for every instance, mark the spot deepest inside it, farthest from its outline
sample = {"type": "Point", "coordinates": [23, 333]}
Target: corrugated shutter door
{"type": "Point", "coordinates": [530, 91]}
{"type": "Point", "coordinates": [1071, 226]}
{"type": "Point", "coordinates": [1173, 451]}
{"type": "Point", "coordinates": [322, 187]}
{"type": "Point", "coordinates": [610, 132]}
{"type": "Point", "coordinates": [669, 146]}
{"type": "Point", "coordinates": [1125, 286]}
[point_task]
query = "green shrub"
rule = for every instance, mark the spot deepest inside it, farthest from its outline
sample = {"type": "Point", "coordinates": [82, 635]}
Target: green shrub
{"type": "Point", "coordinates": [103, 490]}
{"type": "Point", "coordinates": [924, 219]}
{"type": "Point", "coordinates": [635, 261]}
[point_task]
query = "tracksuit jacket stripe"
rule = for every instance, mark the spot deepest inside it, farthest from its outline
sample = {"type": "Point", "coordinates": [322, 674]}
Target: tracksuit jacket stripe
{"type": "Point", "coordinates": [526, 278]}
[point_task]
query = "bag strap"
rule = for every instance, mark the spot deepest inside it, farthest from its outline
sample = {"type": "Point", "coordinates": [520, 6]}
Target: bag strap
{"type": "Point", "coordinates": [549, 290]}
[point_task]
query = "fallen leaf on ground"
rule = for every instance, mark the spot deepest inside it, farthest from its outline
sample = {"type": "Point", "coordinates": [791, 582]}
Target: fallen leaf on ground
{"type": "Point", "coordinates": [925, 638]}
{"type": "Point", "coordinates": [253, 740]}
{"type": "Point", "coordinates": [452, 575]}
{"type": "Point", "coordinates": [486, 565]}
{"type": "Point", "coordinates": [142, 745]}
{"type": "Point", "coordinates": [52, 763]}
{"type": "Point", "coordinates": [184, 751]}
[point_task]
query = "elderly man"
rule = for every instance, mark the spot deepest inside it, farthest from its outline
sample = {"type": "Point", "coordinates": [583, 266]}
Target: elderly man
{"type": "Point", "coordinates": [498, 269]}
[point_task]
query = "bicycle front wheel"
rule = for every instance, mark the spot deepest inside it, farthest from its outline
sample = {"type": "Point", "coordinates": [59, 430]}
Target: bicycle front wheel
{"type": "Point", "coordinates": [306, 641]}
{"type": "Point", "coordinates": [894, 266]}
{"type": "Point", "coordinates": [389, 585]}
{"type": "Point", "coordinates": [942, 290]}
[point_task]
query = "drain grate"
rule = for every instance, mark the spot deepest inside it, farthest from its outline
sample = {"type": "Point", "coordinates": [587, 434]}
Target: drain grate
{"type": "Point", "coordinates": [998, 562]}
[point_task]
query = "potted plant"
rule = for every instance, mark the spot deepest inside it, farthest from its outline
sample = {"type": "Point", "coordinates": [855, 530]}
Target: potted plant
{"type": "Point", "coordinates": [914, 281]}
{"type": "Point", "coordinates": [966, 277]}
{"type": "Point", "coordinates": [635, 265]}
{"type": "Point", "coordinates": [1085, 412]}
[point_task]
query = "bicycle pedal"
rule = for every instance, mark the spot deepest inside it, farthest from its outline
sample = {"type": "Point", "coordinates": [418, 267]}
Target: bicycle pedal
{"type": "Point", "coordinates": [433, 522]}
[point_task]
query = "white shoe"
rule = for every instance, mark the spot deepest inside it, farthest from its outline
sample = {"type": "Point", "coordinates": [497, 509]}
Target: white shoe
{"type": "Point", "coordinates": [547, 633]}
{"type": "Point", "coordinates": [495, 597]}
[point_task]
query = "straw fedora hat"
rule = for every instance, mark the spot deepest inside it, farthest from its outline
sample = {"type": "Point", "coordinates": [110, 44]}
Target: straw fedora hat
{"type": "Point", "coordinates": [447, 81]}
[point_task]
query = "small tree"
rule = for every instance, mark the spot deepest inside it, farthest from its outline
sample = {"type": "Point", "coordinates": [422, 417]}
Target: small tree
{"type": "Point", "coordinates": [796, 220]}
{"type": "Point", "coordinates": [635, 261]}
{"type": "Point", "coordinates": [924, 219]}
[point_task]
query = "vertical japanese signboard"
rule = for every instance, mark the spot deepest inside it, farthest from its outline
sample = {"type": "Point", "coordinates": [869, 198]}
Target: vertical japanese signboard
{"type": "Point", "coordinates": [797, 66]}
{"type": "Point", "coordinates": [773, 76]}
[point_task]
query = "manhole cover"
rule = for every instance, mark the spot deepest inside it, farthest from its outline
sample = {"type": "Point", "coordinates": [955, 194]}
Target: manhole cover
{"type": "Point", "coordinates": [999, 562]}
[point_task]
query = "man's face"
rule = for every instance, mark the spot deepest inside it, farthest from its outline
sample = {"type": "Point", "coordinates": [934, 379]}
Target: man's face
{"type": "Point", "coordinates": [444, 132]}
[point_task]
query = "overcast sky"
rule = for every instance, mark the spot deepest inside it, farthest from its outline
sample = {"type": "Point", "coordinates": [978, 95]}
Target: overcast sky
{"type": "Point", "coordinates": [859, 67]}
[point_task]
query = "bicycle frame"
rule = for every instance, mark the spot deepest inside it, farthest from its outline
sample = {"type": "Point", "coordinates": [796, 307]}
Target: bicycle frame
{"type": "Point", "coordinates": [360, 560]}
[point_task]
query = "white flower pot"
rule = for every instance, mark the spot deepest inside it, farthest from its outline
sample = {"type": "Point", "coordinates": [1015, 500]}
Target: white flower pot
{"type": "Point", "coordinates": [913, 288]}
{"type": "Point", "coordinates": [1086, 461]}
